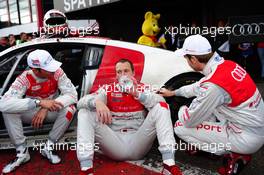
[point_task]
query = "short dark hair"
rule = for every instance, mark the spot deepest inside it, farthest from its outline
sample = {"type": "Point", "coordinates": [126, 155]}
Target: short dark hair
{"type": "Point", "coordinates": [202, 58]}
{"type": "Point", "coordinates": [124, 60]}
{"type": "Point", "coordinates": [38, 69]}
{"type": "Point", "coordinates": [22, 33]}
{"type": "Point", "coordinates": [10, 35]}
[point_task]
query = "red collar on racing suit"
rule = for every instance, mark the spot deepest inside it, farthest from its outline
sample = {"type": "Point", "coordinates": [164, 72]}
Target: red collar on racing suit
{"type": "Point", "coordinates": [121, 102]}
{"type": "Point", "coordinates": [235, 81]}
{"type": "Point", "coordinates": [43, 89]}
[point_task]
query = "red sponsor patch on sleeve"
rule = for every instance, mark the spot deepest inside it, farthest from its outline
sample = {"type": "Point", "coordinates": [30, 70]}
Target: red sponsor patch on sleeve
{"type": "Point", "coordinates": [164, 105]}
{"type": "Point", "coordinates": [69, 116]}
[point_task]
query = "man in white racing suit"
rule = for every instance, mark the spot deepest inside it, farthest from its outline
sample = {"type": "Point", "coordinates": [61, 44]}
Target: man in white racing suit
{"type": "Point", "coordinates": [116, 119]}
{"type": "Point", "coordinates": [34, 98]}
{"type": "Point", "coordinates": [227, 114]}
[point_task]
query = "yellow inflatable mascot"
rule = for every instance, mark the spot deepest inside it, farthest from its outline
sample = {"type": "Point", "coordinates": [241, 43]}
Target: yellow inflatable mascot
{"type": "Point", "coordinates": [150, 29]}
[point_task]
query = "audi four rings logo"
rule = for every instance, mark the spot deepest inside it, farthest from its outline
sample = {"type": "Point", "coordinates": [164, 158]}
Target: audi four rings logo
{"type": "Point", "coordinates": [238, 73]}
{"type": "Point", "coordinates": [248, 29]}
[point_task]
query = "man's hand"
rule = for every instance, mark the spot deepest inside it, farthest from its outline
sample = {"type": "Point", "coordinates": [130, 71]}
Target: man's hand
{"type": "Point", "coordinates": [133, 90]}
{"type": "Point", "coordinates": [166, 93]}
{"type": "Point", "coordinates": [103, 112]}
{"type": "Point", "coordinates": [39, 117]}
{"type": "Point", "coordinates": [51, 105]}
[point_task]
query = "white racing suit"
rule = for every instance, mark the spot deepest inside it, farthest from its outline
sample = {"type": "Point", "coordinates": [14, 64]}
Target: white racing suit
{"type": "Point", "coordinates": [228, 94]}
{"type": "Point", "coordinates": [132, 131]}
{"type": "Point", "coordinates": [18, 104]}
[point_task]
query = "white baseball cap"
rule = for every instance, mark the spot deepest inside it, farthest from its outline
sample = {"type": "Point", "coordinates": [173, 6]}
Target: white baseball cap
{"type": "Point", "coordinates": [43, 60]}
{"type": "Point", "coordinates": [194, 45]}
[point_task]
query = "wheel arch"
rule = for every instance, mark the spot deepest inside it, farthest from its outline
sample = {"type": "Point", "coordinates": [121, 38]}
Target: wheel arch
{"type": "Point", "coordinates": [183, 79]}
{"type": "Point", "coordinates": [176, 82]}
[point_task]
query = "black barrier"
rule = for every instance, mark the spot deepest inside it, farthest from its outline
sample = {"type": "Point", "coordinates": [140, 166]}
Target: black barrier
{"type": "Point", "coordinates": [246, 29]}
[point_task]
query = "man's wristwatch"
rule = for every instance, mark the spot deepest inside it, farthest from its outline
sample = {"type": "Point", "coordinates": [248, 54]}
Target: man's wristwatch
{"type": "Point", "coordinates": [37, 102]}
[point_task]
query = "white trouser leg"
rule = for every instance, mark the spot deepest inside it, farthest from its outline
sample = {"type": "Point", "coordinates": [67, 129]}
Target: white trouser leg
{"type": "Point", "coordinates": [14, 127]}
{"type": "Point", "coordinates": [62, 120]}
{"type": "Point", "coordinates": [245, 142]}
{"type": "Point", "coordinates": [13, 123]}
{"type": "Point", "coordinates": [90, 129]}
{"type": "Point", "coordinates": [218, 138]}
{"type": "Point", "coordinates": [207, 137]}
{"type": "Point", "coordinates": [157, 123]}
{"type": "Point", "coordinates": [124, 146]}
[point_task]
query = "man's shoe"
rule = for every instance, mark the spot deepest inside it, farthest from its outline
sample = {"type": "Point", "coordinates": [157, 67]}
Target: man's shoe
{"type": "Point", "coordinates": [87, 172]}
{"type": "Point", "coordinates": [234, 163]}
{"type": "Point", "coordinates": [171, 170]}
{"type": "Point", "coordinates": [48, 153]}
{"type": "Point", "coordinates": [21, 158]}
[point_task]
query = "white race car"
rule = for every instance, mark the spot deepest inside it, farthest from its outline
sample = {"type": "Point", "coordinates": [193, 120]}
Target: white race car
{"type": "Point", "coordinates": [90, 62]}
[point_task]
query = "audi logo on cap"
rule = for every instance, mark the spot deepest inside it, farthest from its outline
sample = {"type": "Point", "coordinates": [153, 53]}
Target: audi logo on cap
{"type": "Point", "coordinates": [248, 29]}
{"type": "Point", "coordinates": [36, 62]}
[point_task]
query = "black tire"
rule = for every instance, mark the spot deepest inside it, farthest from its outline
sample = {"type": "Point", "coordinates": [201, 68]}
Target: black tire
{"type": "Point", "coordinates": [176, 82]}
